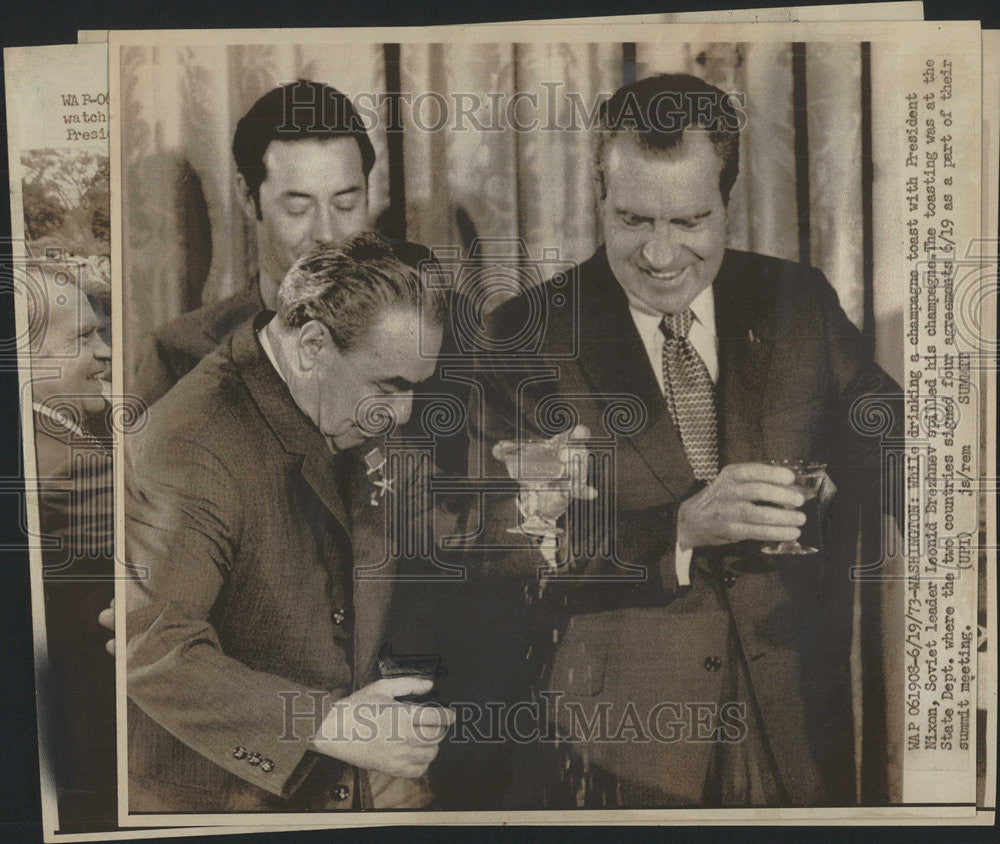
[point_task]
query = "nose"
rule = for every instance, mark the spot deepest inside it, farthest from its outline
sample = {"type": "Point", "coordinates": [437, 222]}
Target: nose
{"type": "Point", "coordinates": [102, 351]}
{"type": "Point", "coordinates": [661, 249]}
{"type": "Point", "coordinates": [325, 227]}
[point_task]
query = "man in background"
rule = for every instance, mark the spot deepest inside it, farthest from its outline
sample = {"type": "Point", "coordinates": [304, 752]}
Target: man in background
{"type": "Point", "coordinates": [303, 158]}
{"type": "Point", "coordinates": [70, 382]}
{"type": "Point", "coordinates": [302, 162]}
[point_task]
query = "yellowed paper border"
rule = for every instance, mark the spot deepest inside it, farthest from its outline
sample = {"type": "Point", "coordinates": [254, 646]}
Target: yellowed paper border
{"type": "Point", "coordinates": [959, 39]}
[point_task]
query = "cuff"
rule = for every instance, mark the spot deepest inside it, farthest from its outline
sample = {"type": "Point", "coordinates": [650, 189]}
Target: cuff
{"type": "Point", "coordinates": [682, 564]}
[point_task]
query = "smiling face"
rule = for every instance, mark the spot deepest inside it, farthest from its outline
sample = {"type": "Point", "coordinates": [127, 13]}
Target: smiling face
{"type": "Point", "coordinates": [72, 344]}
{"type": "Point", "coordinates": [314, 192]}
{"type": "Point", "coordinates": [664, 221]}
{"type": "Point", "coordinates": [389, 360]}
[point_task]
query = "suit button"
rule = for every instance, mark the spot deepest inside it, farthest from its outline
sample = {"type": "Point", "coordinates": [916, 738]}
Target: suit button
{"type": "Point", "coordinates": [255, 759]}
{"type": "Point", "coordinates": [339, 617]}
{"type": "Point", "coordinates": [267, 766]}
{"type": "Point", "coordinates": [729, 578]}
{"type": "Point", "coordinates": [712, 663]}
{"type": "Point", "coordinates": [340, 793]}
{"type": "Point", "coordinates": [240, 752]}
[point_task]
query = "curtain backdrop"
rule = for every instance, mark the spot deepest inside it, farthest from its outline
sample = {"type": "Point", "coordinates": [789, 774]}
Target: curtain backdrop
{"type": "Point", "coordinates": [800, 195]}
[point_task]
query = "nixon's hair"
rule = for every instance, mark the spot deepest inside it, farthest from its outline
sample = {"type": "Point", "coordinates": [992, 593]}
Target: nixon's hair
{"type": "Point", "coordinates": [654, 113]}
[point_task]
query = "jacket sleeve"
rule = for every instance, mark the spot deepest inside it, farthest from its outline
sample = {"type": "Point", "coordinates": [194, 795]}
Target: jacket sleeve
{"type": "Point", "coordinates": [182, 528]}
{"type": "Point", "coordinates": [156, 374]}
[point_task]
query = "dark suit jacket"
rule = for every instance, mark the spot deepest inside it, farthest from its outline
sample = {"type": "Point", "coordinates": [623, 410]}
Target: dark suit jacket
{"type": "Point", "coordinates": [243, 600]}
{"type": "Point", "coordinates": [75, 497]}
{"type": "Point", "coordinates": [791, 365]}
{"type": "Point", "coordinates": [77, 679]}
{"type": "Point", "coordinates": [176, 348]}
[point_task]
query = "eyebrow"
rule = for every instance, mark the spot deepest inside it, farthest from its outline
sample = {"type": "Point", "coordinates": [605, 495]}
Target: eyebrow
{"type": "Point", "coordinates": [398, 382]}
{"type": "Point", "coordinates": [294, 194]}
{"type": "Point", "coordinates": [700, 216]}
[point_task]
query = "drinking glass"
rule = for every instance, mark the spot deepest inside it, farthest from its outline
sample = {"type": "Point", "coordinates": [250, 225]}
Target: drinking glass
{"type": "Point", "coordinates": [536, 465]}
{"type": "Point", "coordinates": [809, 479]}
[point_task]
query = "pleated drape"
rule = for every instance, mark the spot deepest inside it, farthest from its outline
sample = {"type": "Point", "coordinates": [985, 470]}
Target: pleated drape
{"type": "Point", "coordinates": [461, 169]}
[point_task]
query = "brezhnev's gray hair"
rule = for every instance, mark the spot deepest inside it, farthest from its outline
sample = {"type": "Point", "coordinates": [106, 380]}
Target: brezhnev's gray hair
{"type": "Point", "coordinates": [347, 285]}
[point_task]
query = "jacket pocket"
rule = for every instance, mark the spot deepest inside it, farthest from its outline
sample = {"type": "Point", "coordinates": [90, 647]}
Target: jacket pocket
{"type": "Point", "coordinates": [581, 658]}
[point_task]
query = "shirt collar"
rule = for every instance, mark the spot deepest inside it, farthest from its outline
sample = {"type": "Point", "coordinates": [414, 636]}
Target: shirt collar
{"type": "Point", "coordinates": [61, 418]}
{"type": "Point", "coordinates": [265, 344]}
{"type": "Point", "coordinates": [703, 309]}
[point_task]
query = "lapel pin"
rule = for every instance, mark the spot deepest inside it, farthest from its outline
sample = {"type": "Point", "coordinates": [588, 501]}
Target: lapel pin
{"type": "Point", "coordinates": [376, 461]}
{"type": "Point", "coordinates": [752, 337]}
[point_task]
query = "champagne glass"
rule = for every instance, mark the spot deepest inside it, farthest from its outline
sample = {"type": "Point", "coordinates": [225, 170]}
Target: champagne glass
{"type": "Point", "coordinates": [809, 479]}
{"type": "Point", "coordinates": [536, 465]}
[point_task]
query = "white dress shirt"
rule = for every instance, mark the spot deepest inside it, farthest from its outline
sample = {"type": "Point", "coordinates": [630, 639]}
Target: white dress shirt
{"type": "Point", "coordinates": [63, 419]}
{"type": "Point", "coordinates": [265, 344]}
{"type": "Point", "coordinates": [705, 342]}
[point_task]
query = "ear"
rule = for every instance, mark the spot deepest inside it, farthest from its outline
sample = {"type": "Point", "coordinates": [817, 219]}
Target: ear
{"type": "Point", "coordinates": [313, 340]}
{"type": "Point", "coordinates": [246, 200]}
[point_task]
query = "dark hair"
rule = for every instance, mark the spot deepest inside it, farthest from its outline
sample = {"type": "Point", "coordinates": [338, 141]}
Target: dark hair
{"type": "Point", "coordinates": [298, 111]}
{"type": "Point", "coordinates": [346, 286]}
{"type": "Point", "coordinates": [656, 111]}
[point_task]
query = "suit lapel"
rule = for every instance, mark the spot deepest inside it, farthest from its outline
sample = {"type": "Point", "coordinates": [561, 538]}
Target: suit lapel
{"type": "Point", "coordinates": [614, 362]}
{"type": "Point", "coordinates": [767, 393]}
{"type": "Point", "coordinates": [319, 472]}
{"type": "Point", "coordinates": [753, 391]}
{"type": "Point", "coordinates": [374, 567]}
{"type": "Point", "coordinates": [746, 339]}
{"type": "Point", "coordinates": [294, 430]}
{"type": "Point", "coordinates": [364, 526]}
{"type": "Point", "coordinates": [233, 312]}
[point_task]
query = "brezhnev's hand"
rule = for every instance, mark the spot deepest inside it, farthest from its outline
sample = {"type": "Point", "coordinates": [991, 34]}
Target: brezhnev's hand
{"type": "Point", "coordinates": [373, 730]}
